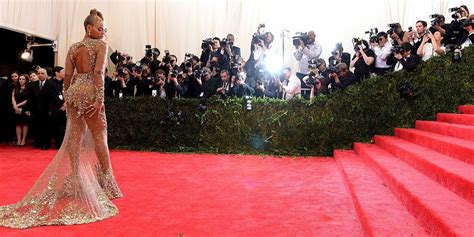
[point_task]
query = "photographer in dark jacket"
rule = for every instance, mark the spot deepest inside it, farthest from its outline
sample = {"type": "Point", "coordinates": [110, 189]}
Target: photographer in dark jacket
{"type": "Point", "coordinates": [144, 80]}
{"type": "Point", "coordinates": [172, 87]}
{"type": "Point", "coordinates": [363, 60]}
{"type": "Point", "coordinates": [191, 81]}
{"type": "Point", "coordinates": [342, 77]}
{"type": "Point", "coordinates": [405, 59]}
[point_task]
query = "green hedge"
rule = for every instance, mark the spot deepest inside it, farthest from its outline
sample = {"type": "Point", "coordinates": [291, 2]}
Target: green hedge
{"type": "Point", "coordinates": [296, 127]}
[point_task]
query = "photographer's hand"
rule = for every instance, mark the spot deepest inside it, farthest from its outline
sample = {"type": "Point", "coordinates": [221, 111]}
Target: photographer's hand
{"type": "Point", "coordinates": [398, 56]}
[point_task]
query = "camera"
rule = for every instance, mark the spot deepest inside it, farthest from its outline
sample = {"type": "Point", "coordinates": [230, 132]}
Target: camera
{"type": "Point", "coordinates": [300, 37]}
{"type": "Point", "coordinates": [138, 67]}
{"type": "Point", "coordinates": [332, 69]}
{"type": "Point", "coordinates": [121, 71]}
{"type": "Point", "coordinates": [257, 37]}
{"type": "Point", "coordinates": [372, 32]}
{"type": "Point", "coordinates": [312, 79]}
{"type": "Point", "coordinates": [457, 12]}
{"type": "Point", "coordinates": [197, 73]}
{"type": "Point", "coordinates": [224, 42]}
{"type": "Point", "coordinates": [456, 49]}
{"type": "Point", "coordinates": [174, 73]}
{"type": "Point", "coordinates": [393, 28]}
{"type": "Point", "coordinates": [437, 19]}
{"type": "Point", "coordinates": [396, 49]}
{"type": "Point", "coordinates": [356, 42]}
{"type": "Point", "coordinates": [206, 44]}
{"type": "Point", "coordinates": [313, 63]}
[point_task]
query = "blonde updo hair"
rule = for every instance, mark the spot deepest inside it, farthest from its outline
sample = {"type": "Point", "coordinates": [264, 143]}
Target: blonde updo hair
{"type": "Point", "coordinates": [93, 17]}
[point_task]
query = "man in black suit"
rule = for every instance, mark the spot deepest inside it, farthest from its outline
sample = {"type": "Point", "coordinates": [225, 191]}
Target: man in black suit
{"type": "Point", "coordinates": [56, 108]}
{"type": "Point", "coordinates": [234, 49]}
{"type": "Point", "coordinates": [39, 110]}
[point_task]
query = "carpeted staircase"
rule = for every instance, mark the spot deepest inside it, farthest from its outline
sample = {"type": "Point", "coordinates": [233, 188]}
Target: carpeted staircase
{"type": "Point", "coordinates": [419, 182]}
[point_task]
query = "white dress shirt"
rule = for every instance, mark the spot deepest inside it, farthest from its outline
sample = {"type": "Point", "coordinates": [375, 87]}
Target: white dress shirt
{"type": "Point", "coordinates": [303, 55]}
{"type": "Point", "coordinates": [293, 88]}
{"type": "Point", "coordinates": [382, 55]}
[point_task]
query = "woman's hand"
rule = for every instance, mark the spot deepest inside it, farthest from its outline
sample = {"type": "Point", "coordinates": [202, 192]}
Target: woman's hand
{"type": "Point", "coordinates": [94, 109]}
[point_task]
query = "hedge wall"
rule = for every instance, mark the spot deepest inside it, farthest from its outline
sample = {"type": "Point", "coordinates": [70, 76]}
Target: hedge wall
{"type": "Point", "coordinates": [296, 127]}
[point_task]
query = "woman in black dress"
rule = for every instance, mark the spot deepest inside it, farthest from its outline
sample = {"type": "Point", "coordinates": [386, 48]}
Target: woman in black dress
{"type": "Point", "coordinates": [22, 113]}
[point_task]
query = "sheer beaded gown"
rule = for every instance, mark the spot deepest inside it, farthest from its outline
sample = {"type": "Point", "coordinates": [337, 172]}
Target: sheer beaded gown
{"type": "Point", "coordinates": [78, 185]}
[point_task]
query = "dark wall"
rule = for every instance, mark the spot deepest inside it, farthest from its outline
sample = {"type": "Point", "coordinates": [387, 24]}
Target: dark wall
{"type": "Point", "coordinates": [12, 45]}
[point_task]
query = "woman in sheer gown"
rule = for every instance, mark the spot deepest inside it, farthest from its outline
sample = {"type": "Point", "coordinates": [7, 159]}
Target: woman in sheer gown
{"type": "Point", "coordinates": [78, 184]}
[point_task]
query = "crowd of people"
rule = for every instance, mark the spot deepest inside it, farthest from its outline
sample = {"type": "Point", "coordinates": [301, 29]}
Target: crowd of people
{"type": "Point", "coordinates": [35, 100]}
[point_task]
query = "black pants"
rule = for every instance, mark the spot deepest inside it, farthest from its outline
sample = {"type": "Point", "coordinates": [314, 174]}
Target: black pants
{"type": "Point", "coordinates": [381, 71]}
{"type": "Point", "coordinates": [41, 131]}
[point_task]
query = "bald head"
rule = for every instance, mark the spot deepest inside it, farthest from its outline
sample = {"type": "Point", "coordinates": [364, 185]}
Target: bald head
{"type": "Point", "coordinates": [42, 74]}
{"type": "Point", "coordinates": [311, 36]}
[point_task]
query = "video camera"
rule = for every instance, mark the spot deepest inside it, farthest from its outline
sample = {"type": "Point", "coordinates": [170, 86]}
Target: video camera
{"type": "Point", "coordinates": [300, 37]}
{"type": "Point", "coordinates": [372, 32]}
{"type": "Point", "coordinates": [206, 44]}
{"type": "Point", "coordinates": [457, 12]}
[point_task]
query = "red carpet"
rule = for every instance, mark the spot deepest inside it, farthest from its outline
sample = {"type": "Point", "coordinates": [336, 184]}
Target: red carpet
{"type": "Point", "coordinates": [202, 195]}
{"type": "Point", "coordinates": [418, 183]}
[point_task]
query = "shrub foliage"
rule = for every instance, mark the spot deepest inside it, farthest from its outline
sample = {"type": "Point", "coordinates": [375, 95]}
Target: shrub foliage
{"type": "Point", "coordinates": [294, 127]}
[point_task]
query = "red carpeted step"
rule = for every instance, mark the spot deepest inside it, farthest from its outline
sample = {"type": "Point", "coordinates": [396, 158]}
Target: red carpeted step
{"type": "Point", "coordinates": [442, 212]}
{"type": "Point", "coordinates": [449, 172]}
{"type": "Point", "coordinates": [451, 146]}
{"type": "Point", "coordinates": [467, 119]}
{"type": "Point", "coordinates": [465, 132]}
{"type": "Point", "coordinates": [379, 211]}
{"type": "Point", "coordinates": [466, 109]}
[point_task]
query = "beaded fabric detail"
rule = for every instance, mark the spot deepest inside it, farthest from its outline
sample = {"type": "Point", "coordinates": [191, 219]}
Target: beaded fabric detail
{"type": "Point", "coordinates": [78, 184]}
{"type": "Point", "coordinates": [83, 91]}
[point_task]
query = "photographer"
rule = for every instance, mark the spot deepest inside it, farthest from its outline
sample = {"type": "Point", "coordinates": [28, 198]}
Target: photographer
{"type": "Point", "coordinates": [313, 80]}
{"type": "Point", "coordinates": [158, 83]}
{"type": "Point", "coordinates": [224, 85]}
{"type": "Point", "coordinates": [127, 83]}
{"type": "Point", "coordinates": [172, 87]}
{"type": "Point", "coordinates": [339, 56]}
{"type": "Point", "coordinates": [238, 88]}
{"type": "Point", "coordinates": [405, 60]}
{"type": "Point", "coordinates": [468, 24]}
{"type": "Point", "coordinates": [417, 37]}
{"type": "Point", "coordinates": [397, 34]}
{"type": "Point", "coordinates": [192, 81]}
{"type": "Point", "coordinates": [438, 24]}
{"type": "Point", "coordinates": [456, 34]}
{"type": "Point", "coordinates": [341, 77]}
{"type": "Point", "coordinates": [291, 85]}
{"type": "Point", "coordinates": [382, 53]}
{"type": "Point", "coordinates": [234, 50]}
{"type": "Point", "coordinates": [363, 60]}
{"type": "Point", "coordinates": [306, 49]}
{"type": "Point", "coordinates": [155, 62]}
{"type": "Point", "coordinates": [431, 46]}
{"type": "Point", "coordinates": [215, 51]}
{"type": "Point", "coordinates": [261, 51]}
{"type": "Point", "coordinates": [144, 80]}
